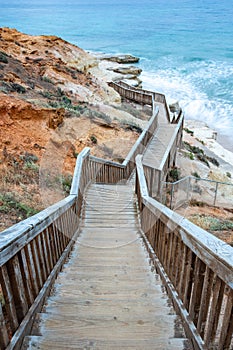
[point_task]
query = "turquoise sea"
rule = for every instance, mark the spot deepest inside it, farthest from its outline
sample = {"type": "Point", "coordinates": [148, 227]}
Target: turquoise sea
{"type": "Point", "coordinates": [185, 46]}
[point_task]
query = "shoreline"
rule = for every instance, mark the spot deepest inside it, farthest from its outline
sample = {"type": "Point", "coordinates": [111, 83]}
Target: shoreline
{"type": "Point", "coordinates": [202, 132]}
{"type": "Point", "coordinates": [217, 143]}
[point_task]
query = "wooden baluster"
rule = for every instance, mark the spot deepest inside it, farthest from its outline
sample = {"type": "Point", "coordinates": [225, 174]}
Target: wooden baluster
{"type": "Point", "coordinates": [49, 249]}
{"type": "Point", "coordinates": [52, 244]}
{"type": "Point", "coordinates": [46, 254]}
{"type": "Point", "coordinates": [175, 255]}
{"type": "Point", "coordinates": [41, 257]}
{"type": "Point", "coordinates": [188, 280]}
{"type": "Point", "coordinates": [205, 300]}
{"type": "Point", "coordinates": [169, 252]}
{"type": "Point", "coordinates": [215, 307]}
{"type": "Point", "coordinates": [164, 246]}
{"type": "Point", "coordinates": [37, 263]}
{"type": "Point", "coordinates": [179, 263]}
{"type": "Point", "coordinates": [62, 231]}
{"type": "Point", "coordinates": [227, 323]}
{"type": "Point", "coordinates": [26, 277]}
{"type": "Point", "coordinates": [198, 277]}
{"type": "Point", "coordinates": [180, 282]}
{"type": "Point", "coordinates": [32, 270]}
{"type": "Point", "coordinates": [172, 256]}
{"type": "Point", "coordinates": [9, 299]}
{"type": "Point", "coordinates": [58, 237]}
{"type": "Point", "coordinates": [4, 339]}
{"type": "Point", "coordinates": [17, 287]}
{"type": "Point", "coordinates": [69, 224]}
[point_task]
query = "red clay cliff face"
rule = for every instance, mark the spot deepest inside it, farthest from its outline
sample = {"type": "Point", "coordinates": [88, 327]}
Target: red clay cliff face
{"type": "Point", "coordinates": [43, 81]}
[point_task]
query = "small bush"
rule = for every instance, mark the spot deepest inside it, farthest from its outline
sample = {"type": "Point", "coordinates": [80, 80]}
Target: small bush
{"type": "Point", "coordinates": [18, 88]}
{"type": "Point", "coordinates": [196, 203]}
{"type": "Point", "coordinates": [8, 201]}
{"type": "Point", "coordinates": [213, 160]}
{"type": "Point", "coordinates": [131, 126]}
{"type": "Point", "coordinates": [93, 139]}
{"type": "Point", "coordinates": [46, 94]}
{"type": "Point", "coordinates": [174, 174]}
{"type": "Point", "coordinates": [66, 101]}
{"type": "Point", "coordinates": [65, 181]}
{"type": "Point", "coordinates": [3, 57]}
{"type": "Point", "coordinates": [203, 159]}
{"type": "Point", "coordinates": [189, 131]}
{"type": "Point", "coordinates": [29, 158]}
{"type": "Point", "coordinates": [31, 166]}
{"type": "Point", "coordinates": [195, 174]}
{"type": "Point", "coordinates": [60, 92]}
{"type": "Point", "coordinates": [47, 80]}
{"type": "Point", "coordinates": [191, 156]}
{"type": "Point", "coordinates": [228, 174]}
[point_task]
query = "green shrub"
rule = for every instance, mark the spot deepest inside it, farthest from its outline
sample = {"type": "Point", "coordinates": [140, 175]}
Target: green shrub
{"type": "Point", "coordinates": [66, 181]}
{"type": "Point", "coordinates": [29, 158]}
{"type": "Point", "coordinates": [213, 160]}
{"type": "Point", "coordinates": [174, 174]}
{"type": "Point", "coordinates": [191, 156]}
{"type": "Point", "coordinates": [3, 57]}
{"type": "Point", "coordinates": [195, 174]}
{"type": "Point", "coordinates": [228, 174]}
{"type": "Point", "coordinates": [47, 80]}
{"type": "Point", "coordinates": [8, 201]}
{"type": "Point", "coordinates": [66, 101]}
{"type": "Point", "coordinates": [189, 131]}
{"type": "Point", "coordinates": [93, 139]}
{"type": "Point", "coordinates": [18, 88]}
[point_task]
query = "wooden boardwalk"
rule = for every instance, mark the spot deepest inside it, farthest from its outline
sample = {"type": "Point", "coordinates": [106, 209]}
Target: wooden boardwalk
{"type": "Point", "coordinates": [107, 297]}
{"type": "Point", "coordinates": [158, 146]}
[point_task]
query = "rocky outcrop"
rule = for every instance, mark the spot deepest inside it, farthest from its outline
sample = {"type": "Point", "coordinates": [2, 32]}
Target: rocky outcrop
{"type": "Point", "coordinates": [132, 70]}
{"type": "Point", "coordinates": [45, 66]}
{"type": "Point", "coordinates": [125, 59]}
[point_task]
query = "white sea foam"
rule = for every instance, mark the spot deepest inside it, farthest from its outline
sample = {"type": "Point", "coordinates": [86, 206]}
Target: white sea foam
{"type": "Point", "coordinates": [203, 89]}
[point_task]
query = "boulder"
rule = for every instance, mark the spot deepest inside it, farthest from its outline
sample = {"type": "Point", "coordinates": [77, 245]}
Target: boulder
{"type": "Point", "coordinates": [126, 59]}
{"type": "Point", "coordinates": [127, 70]}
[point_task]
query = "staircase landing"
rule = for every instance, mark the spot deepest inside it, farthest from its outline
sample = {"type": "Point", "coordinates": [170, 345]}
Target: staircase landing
{"type": "Point", "coordinates": [107, 296]}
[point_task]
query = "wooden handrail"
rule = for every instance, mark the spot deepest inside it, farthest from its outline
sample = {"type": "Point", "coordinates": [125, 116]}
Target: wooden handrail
{"type": "Point", "coordinates": [141, 96]}
{"type": "Point", "coordinates": [32, 253]}
{"type": "Point", "coordinates": [196, 267]}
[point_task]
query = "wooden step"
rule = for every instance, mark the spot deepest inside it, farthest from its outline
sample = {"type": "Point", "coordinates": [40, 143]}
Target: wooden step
{"type": "Point", "coordinates": [39, 343]}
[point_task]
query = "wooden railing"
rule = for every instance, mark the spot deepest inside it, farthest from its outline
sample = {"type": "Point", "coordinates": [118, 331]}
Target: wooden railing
{"type": "Point", "coordinates": [141, 96]}
{"type": "Point", "coordinates": [32, 253]}
{"type": "Point", "coordinates": [196, 267]}
{"type": "Point", "coordinates": [156, 176]}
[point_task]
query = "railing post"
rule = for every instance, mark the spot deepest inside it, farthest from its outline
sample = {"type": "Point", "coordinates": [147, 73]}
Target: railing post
{"type": "Point", "coordinates": [172, 193]}
{"type": "Point", "coordinates": [215, 195]}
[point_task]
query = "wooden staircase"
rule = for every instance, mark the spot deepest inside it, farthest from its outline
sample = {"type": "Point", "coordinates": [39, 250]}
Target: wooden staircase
{"type": "Point", "coordinates": [107, 296]}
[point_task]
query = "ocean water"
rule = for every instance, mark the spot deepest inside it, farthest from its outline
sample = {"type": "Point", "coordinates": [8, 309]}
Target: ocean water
{"type": "Point", "coordinates": [185, 47]}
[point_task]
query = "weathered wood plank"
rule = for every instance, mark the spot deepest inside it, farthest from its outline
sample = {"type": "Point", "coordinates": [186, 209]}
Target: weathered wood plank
{"type": "Point", "coordinates": [32, 270]}
{"type": "Point", "coordinates": [4, 339]}
{"type": "Point", "coordinates": [26, 278]}
{"type": "Point", "coordinates": [227, 327]}
{"type": "Point", "coordinates": [17, 286]}
{"type": "Point", "coordinates": [8, 298]}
